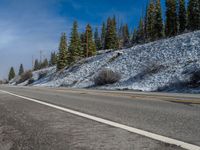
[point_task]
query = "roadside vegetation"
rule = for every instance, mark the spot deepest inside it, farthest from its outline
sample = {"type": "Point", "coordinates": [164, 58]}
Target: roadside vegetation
{"type": "Point", "coordinates": [25, 76]}
{"type": "Point", "coordinates": [106, 76]}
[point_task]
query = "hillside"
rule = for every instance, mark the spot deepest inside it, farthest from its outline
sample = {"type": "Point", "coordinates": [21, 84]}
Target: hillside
{"type": "Point", "coordinates": [171, 65]}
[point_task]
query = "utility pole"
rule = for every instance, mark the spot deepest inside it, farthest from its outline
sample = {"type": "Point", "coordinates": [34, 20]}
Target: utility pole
{"type": "Point", "coordinates": [32, 62]}
{"type": "Point", "coordinates": [40, 56]}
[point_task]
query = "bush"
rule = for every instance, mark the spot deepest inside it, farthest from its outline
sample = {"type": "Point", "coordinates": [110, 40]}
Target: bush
{"type": "Point", "coordinates": [194, 79]}
{"type": "Point", "coordinates": [106, 76]}
{"type": "Point", "coordinates": [25, 76]}
{"type": "Point", "coordinates": [42, 75]}
{"type": "Point", "coordinates": [153, 68]}
{"type": "Point", "coordinates": [30, 81]}
{"type": "Point", "coordinates": [193, 82]}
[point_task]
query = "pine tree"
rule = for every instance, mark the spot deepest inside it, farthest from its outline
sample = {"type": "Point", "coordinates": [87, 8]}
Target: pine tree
{"type": "Point", "coordinates": [150, 21]}
{"type": "Point", "coordinates": [194, 15]}
{"type": "Point", "coordinates": [171, 26]}
{"type": "Point", "coordinates": [62, 55]}
{"type": "Point", "coordinates": [45, 63]}
{"type": "Point", "coordinates": [103, 35]}
{"type": "Point", "coordinates": [158, 21]}
{"type": "Point", "coordinates": [97, 39]}
{"type": "Point", "coordinates": [36, 65]}
{"type": "Point", "coordinates": [75, 48]}
{"type": "Point", "coordinates": [140, 37]}
{"type": "Point", "coordinates": [111, 40]}
{"type": "Point", "coordinates": [21, 70]}
{"type": "Point", "coordinates": [83, 43]}
{"type": "Point", "coordinates": [120, 36]}
{"type": "Point", "coordinates": [108, 36]}
{"type": "Point", "coordinates": [182, 16]}
{"type": "Point", "coordinates": [114, 31]}
{"type": "Point", "coordinates": [134, 36]}
{"type": "Point", "coordinates": [89, 46]}
{"type": "Point", "coordinates": [145, 23]}
{"type": "Point", "coordinates": [126, 36]}
{"type": "Point", "coordinates": [11, 74]}
{"type": "Point", "coordinates": [53, 59]}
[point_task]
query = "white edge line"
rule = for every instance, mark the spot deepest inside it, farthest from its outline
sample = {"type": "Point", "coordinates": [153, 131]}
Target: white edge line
{"type": "Point", "coordinates": [115, 124]}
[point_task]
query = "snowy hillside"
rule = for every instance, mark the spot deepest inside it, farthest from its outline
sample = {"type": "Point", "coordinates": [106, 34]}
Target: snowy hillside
{"type": "Point", "coordinates": [161, 65]}
{"type": "Point", "coordinates": [35, 76]}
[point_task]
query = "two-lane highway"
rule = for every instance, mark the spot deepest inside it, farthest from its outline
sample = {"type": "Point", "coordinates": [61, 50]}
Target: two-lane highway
{"type": "Point", "coordinates": [29, 124]}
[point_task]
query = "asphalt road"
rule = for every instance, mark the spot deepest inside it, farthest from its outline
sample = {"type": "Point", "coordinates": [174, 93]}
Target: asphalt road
{"type": "Point", "coordinates": [30, 126]}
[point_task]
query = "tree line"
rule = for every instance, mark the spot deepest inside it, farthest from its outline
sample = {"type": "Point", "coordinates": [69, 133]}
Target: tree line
{"type": "Point", "coordinates": [87, 43]}
{"type": "Point", "coordinates": [37, 66]}
{"type": "Point", "coordinates": [12, 74]}
{"type": "Point", "coordinates": [179, 18]}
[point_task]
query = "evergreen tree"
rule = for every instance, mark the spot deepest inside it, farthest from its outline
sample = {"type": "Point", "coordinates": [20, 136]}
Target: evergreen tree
{"type": "Point", "coordinates": [150, 21]}
{"type": "Point", "coordinates": [114, 31]}
{"type": "Point", "coordinates": [83, 43]}
{"type": "Point", "coordinates": [75, 48]}
{"type": "Point", "coordinates": [194, 15]}
{"type": "Point", "coordinates": [134, 36]}
{"type": "Point", "coordinates": [120, 36]}
{"type": "Point", "coordinates": [62, 55]}
{"type": "Point", "coordinates": [158, 22]}
{"type": "Point", "coordinates": [140, 37]}
{"type": "Point", "coordinates": [171, 18]}
{"type": "Point", "coordinates": [182, 16]}
{"type": "Point", "coordinates": [103, 35]}
{"type": "Point", "coordinates": [126, 36]}
{"type": "Point", "coordinates": [11, 74]}
{"type": "Point", "coordinates": [89, 46]}
{"type": "Point", "coordinates": [97, 39]}
{"type": "Point", "coordinates": [53, 59]}
{"type": "Point", "coordinates": [145, 23]}
{"type": "Point", "coordinates": [108, 36]}
{"type": "Point", "coordinates": [45, 63]}
{"type": "Point", "coordinates": [36, 65]}
{"type": "Point", "coordinates": [21, 70]}
{"type": "Point", "coordinates": [111, 40]}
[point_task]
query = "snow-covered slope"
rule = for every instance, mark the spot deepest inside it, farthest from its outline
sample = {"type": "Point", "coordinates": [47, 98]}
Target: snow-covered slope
{"type": "Point", "coordinates": [47, 72]}
{"type": "Point", "coordinates": [147, 67]}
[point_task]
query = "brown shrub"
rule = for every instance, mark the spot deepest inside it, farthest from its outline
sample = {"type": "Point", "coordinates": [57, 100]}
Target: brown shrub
{"type": "Point", "coordinates": [25, 76]}
{"type": "Point", "coordinates": [106, 76]}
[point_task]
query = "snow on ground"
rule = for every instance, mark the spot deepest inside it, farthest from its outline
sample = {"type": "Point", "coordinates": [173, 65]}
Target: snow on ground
{"type": "Point", "coordinates": [147, 67]}
{"type": "Point", "coordinates": [47, 73]}
{"type": "Point", "coordinates": [14, 80]}
{"type": "Point", "coordinates": [35, 76]}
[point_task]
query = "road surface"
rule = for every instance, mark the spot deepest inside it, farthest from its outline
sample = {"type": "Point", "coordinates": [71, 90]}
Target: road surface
{"type": "Point", "coordinates": [29, 125]}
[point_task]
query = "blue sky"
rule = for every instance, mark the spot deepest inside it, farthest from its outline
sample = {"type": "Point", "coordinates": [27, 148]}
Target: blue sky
{"type": "Point", "coordinates": [28, 26]}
